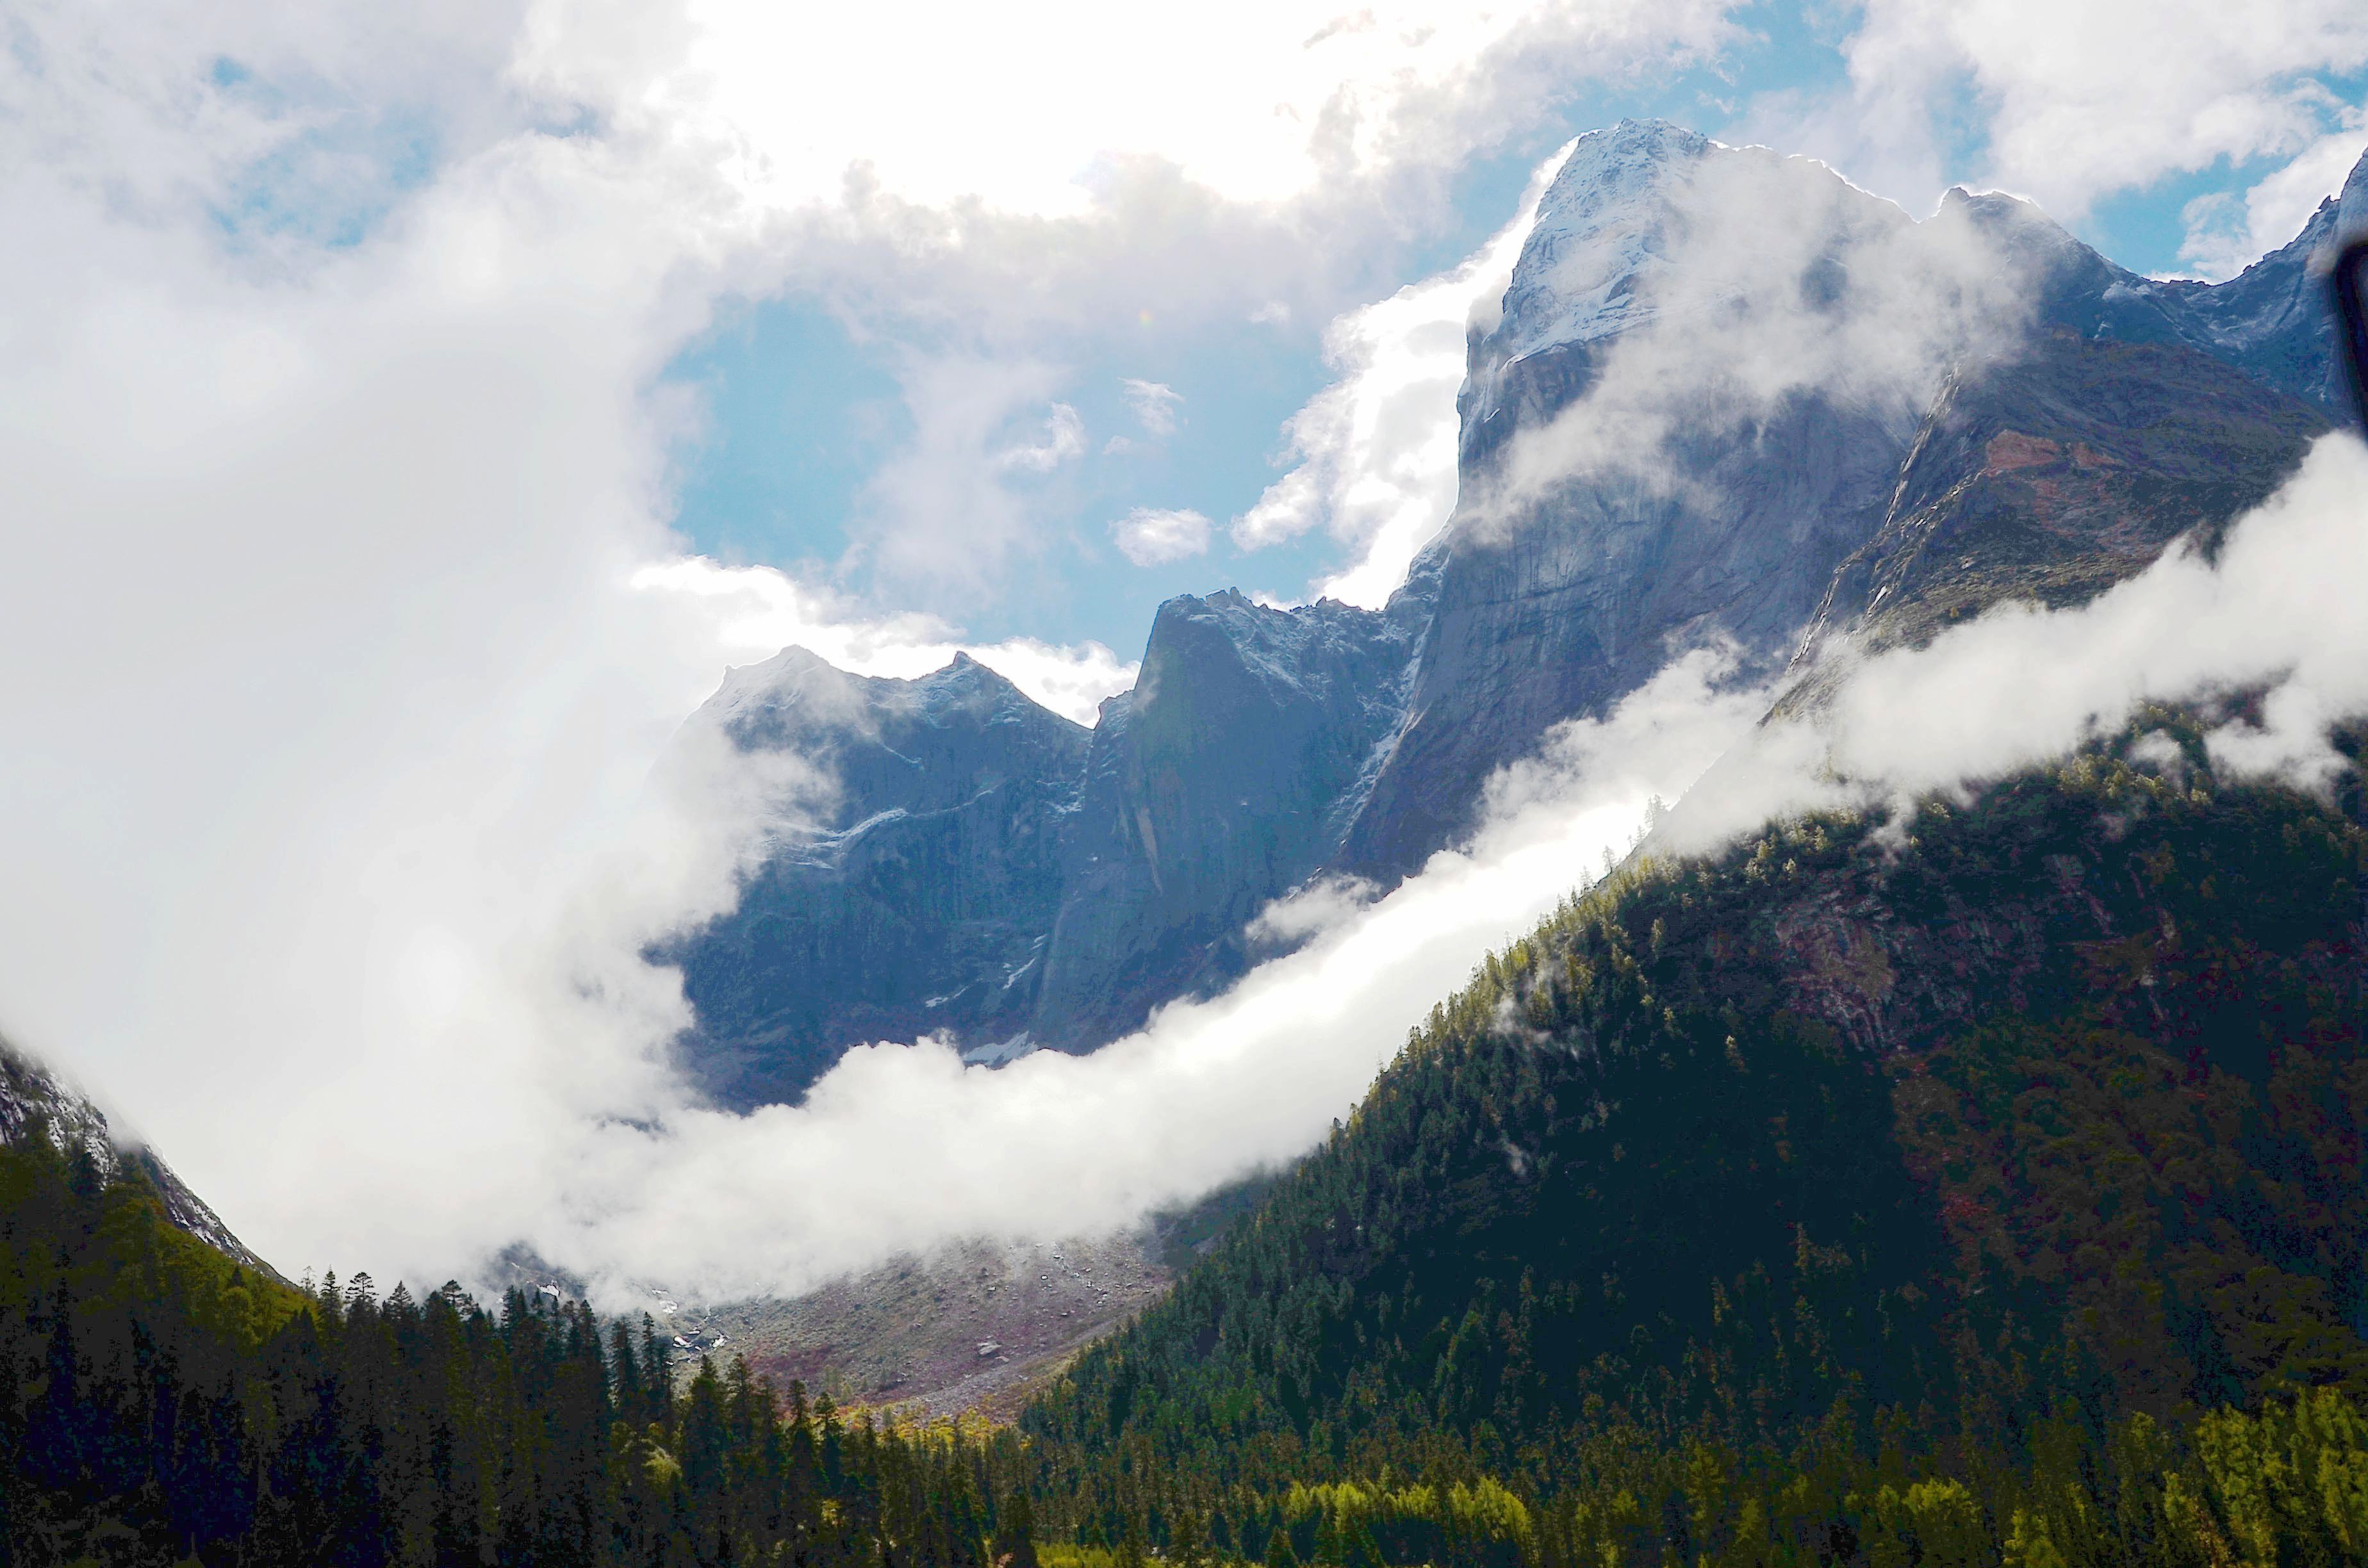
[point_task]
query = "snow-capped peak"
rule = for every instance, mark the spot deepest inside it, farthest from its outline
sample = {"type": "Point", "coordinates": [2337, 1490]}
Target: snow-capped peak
{"type": "Point", "coordinates": [1602, 223]}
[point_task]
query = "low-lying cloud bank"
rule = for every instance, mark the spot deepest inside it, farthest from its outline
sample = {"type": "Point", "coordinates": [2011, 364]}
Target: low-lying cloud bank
{"type": "Point", "coordinates": [901, 1148]}
{"type": "Point", "coordinates": [2277, 614]}
{"type": "Point", "coordinates": [342, 621]}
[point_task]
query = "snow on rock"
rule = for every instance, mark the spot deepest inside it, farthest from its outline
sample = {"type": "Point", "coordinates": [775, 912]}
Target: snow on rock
{"type": "Point", "coordinates": [33, 1098]}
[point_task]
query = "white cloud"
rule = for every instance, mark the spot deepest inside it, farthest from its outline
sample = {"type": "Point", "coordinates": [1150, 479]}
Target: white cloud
{"type": "Point", "coordinates": [949, 511]}
{"type": "Point", "coordinates": [1064, 440]}
{"type": "Point", "coordinates": [866, 1168]}
{"type": "Point", "coordinates": [1150, 537]}
{"type": "Point", "coordinates": [320, 612]}
{"type": "Point", "coordinates": [2226, 235]}
{"type": "Point", "coordinates": [1155, 405]}
{"type": "Point", "coordinates": [2082, 100]}
{"type": "Point", "coordinates": [1376, 450]}
{"type": "Point", "coordinates": [1029, 109]}
{"type": "Point", "coordinates": [1062, 167]}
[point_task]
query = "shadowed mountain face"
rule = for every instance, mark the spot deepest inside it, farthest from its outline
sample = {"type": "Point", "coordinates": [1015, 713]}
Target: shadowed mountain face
{"type": "Point", "coordinates": [1224, 779]}
{"type": "Point", "coordinates": [2191, 402]}
{"type": "Point", "coordinates": [997, 875]}
{"type": "Point", "coordinates": [918, 903]}
{"type": "Point", "coordinates": [991, 873]}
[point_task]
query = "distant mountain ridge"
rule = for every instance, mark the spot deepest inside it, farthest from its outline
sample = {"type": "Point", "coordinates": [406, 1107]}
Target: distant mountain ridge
{"type": "Point", "coordinates": [1012, 881]}
{"type": "Point", "coordinates": [919, 902]}
{"type": "Point", "coordinates": [35, 1104]}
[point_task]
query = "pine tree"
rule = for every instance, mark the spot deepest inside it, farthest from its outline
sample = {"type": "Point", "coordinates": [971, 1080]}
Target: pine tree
{"type": "Point", "coordinates": [1015, 1532]}
{"type": "Point", "coordinates": [1187, 1543]}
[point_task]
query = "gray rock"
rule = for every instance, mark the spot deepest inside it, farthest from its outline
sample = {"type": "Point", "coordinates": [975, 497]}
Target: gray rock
{"type": "Point", "coordinates": [917, 903]}
{"type": "Point", "coordinates": [991, 873]}
{"type": "Point", "coordinates": [1224, 779]}
{"type": "Point", "coordinates": [1566, 607]}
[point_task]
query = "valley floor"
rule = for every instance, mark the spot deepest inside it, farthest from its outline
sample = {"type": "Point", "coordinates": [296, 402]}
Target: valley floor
{"type": "Point", "coordinates": [976, 1327]}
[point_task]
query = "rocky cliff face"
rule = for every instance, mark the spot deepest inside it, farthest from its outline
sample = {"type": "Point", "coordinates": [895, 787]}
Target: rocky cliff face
{"type": "Point", "coordinates": [1565, 600]}
{"type": "Point", "coordinates": [1224, 779]}
{"type": "Point", "coordinates": [988, 872]}
{"type": "Point", "coordinates": [1000, 876]}
{"type": "Point", "coordinates": [919, 899]}
{"type": "Point", "coordinates": [2063, 456]}
{"type": "Point", "coordinates": [2054, 477]}
{"type": "Point", "coordinates": [35, 1104]}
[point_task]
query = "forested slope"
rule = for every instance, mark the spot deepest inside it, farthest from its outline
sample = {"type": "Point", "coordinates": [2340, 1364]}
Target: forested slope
{"type": "Point", "coordinates": [1992, 1147]}
{"type": "Point", "coordinates": [1980, 1185]}
{"type": "Point", "coordinates": [160, 1404]}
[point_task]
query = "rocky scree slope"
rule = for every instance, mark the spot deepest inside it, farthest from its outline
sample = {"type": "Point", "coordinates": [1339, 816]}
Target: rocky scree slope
{"type": "Point", "coordinates": [978, 1328]}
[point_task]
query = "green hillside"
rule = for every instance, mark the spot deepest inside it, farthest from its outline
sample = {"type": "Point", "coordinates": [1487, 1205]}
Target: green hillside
{"type": "Point", "coordinates": [1978, 1187]}
{"type": "Point", "coordinates": [161, 1405]}
{"type": "Point", "coordinates": [1984, 1153]}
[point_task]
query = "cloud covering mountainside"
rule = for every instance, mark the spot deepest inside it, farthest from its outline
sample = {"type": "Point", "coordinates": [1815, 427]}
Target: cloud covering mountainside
{"type": "Point", "coordinates": [345, 622]}
{"type": "Point", "coordinates": [1725, 396]}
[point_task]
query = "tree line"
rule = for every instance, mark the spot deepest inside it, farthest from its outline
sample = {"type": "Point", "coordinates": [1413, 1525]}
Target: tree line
{"type": "Point", "coordinates": [1982, 1186]}
{"type": "Point", "coordinates": [161, 1405]}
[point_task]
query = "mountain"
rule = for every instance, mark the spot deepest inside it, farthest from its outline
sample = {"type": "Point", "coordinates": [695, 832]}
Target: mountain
{"type": "Point", "coordinates": [918, 900]}
{"type": "Point", "coordinates": [35, 1105]}
{"type": "Point", "coordinates": [1997, 1142]}
{"type": "Point", "coordinates": [1225, 778]}
{"type": "Point", "coordinates": [2054, 478]}
{"type": "Point", "coordinates": [1022, 883]}
{"type": "Point", "coordinates": [991, 872]}
{"type": "Point", "coordinates": [1756, 530]}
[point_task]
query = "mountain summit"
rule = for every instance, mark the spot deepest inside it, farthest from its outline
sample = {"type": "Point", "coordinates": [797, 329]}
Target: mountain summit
{"type": "Point", "coordinates": [1725, 394]}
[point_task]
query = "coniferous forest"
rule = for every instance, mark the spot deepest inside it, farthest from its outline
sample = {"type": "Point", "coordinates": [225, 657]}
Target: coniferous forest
{"type": "Point", "coordinates": [1976, 1183]}
{"type": "Point", "coordinates": [159, 1404]}
{"type": "Point", "coordinates": [1981, 1186]}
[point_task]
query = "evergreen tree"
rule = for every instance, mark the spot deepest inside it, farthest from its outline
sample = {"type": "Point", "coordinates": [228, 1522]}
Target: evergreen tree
{"type": "Point", "coordinates": [1015, 1535]}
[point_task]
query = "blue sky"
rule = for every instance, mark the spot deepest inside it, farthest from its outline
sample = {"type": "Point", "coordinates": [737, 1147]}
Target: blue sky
{"type": "Point", "coordinates": [804, 407]}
